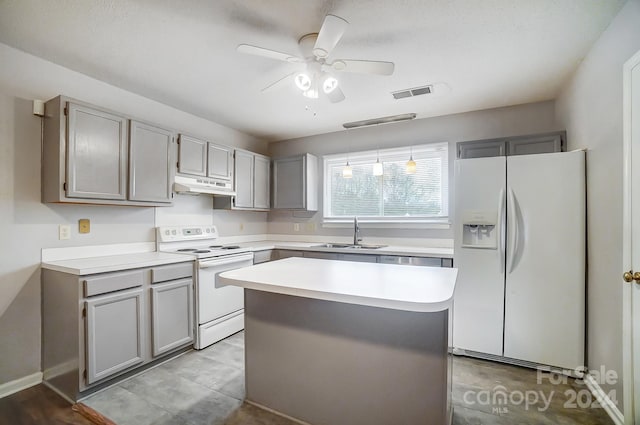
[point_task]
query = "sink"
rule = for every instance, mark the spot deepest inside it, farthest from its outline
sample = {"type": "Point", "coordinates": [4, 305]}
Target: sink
{"type": "Point", "coordinates": [350, 246]}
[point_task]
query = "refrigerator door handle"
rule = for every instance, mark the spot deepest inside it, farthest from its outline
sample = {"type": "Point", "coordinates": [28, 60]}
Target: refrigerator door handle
{"type": "Point", "coordinates": [512, 232]}
{"type": "Point", "coordinates": [501, 247]}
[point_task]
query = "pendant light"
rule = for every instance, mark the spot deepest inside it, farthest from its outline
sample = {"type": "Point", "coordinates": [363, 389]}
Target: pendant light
{"type": "Point", "coordinates": [411, 164]}
{"type": "Point", "coordinates": [378, 170]}
{"type": "Point", "coordinates": [347, 171]}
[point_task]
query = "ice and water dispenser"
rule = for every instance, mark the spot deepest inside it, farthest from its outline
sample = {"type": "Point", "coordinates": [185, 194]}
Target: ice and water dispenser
{"type": "Point", "coordinates": [479, 229]}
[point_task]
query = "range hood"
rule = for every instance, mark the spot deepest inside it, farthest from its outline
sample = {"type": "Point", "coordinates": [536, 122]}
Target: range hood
{"type": "Point", "coordinates": [198, 185]}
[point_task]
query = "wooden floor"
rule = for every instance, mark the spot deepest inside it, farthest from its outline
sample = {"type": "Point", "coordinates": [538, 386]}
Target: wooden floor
{"type": "Point", "coordinates": [38, 406]}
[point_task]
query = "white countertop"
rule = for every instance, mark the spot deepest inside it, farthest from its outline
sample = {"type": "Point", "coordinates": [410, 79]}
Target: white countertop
{"type": "Point", "coordinates": [110, 263]}
{"type": "Point", "coordinates": [420, 289]}
{"type": "Point", "coordinates": [416, 251]}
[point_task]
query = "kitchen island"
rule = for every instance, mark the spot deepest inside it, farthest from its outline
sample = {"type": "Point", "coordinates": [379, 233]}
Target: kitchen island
{"type": "Point", "coordinates": [334, 342]}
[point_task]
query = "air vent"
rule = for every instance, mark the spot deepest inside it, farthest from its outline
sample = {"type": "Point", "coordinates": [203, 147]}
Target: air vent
{"type": "Point", "coordinates": [416, 91]}
{"type": "Point", "coordinates": [382, 120]}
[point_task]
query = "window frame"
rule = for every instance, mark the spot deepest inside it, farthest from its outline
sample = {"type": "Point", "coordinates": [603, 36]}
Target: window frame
{"type": "Point", "coordinates": [440, 149]}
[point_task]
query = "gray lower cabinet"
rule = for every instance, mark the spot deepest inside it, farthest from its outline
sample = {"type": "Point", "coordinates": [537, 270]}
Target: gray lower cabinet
{"type": "Point", "coordinates": [287, 253]}
{"type": "Point", "coordinates": [321, 255]}
{"type": "Point", "coordinates": [95, 156]}
{"type": "Point", "coordinates": [360, 258]}
{"type": "Point", "coordinates": [264, 256]}
{"type": "Point", "coordinates": [98, 327]}
{"type": "Point", "coordinates": [171, 315]}
{"type": "Point", "coordinates": [280, 254]}
{"type": "Point", "coordinates": [115, 333]}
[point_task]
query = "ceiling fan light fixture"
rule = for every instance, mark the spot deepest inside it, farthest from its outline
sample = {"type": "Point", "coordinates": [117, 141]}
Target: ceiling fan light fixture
{"type": "Point", "coordinates": [303, 81]}
{"type": "Point", "coordinates": [329, 84]}
{"type": "Point", "coordinates": [311, 93]}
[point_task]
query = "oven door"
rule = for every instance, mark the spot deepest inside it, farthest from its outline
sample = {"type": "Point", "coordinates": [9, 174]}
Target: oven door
{"type": "Point", "coordinates": [215, 300]}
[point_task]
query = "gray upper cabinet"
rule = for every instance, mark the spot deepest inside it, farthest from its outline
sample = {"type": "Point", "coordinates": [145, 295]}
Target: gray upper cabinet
{"type": "Point", "coordinates": [115, 333]}
{"type": "Point", "coordinates": [481, 149]}
{"type": "Point", "coordinates": [261, 182]}
{"type": "Point", "coordinates": [220, 162]}
{"type": "Point", "coordinates": [96, 154]}
{"type": "Point", "coordinates": [150, 164]}
{"type": "Point", "coordinates": [520, 145]}
{"type": "Point", "coordinates": [192, 156]}
{"type": "Point", "coordinates": [536, 144]}
{"type": "Point", "coordinates": [244, 179]}
{"type": "Point", "coordinates": [295, 183]}
{"type": "Point", "coordinates": [251, 181]}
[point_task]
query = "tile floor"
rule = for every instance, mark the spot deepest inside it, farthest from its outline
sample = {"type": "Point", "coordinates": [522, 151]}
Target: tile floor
{"type": "Point", "coordinates": [207, 388]}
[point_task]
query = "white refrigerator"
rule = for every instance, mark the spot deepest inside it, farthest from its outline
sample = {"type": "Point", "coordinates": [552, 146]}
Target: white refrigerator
{"type": "Point", "coordinates": [520, 252]}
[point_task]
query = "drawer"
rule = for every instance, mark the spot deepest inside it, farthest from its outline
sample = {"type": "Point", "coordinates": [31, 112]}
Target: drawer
{"type": "Point", "coordinates": [410, 261]}
{"type": "Point", "coordinates": [263, 256]}
{"type": "Point", "coordinates": [171, 272]}
{"type": "Point", "coordinates": [102, 284]}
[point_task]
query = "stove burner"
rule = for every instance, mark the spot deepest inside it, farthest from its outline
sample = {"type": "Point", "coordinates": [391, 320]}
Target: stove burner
{"type": "Point", "coordinates": [187, 250]}
{"type": "Point", "coordinates": [231, 247]}
{"type": "Point", "coordinates": [215, 246]}
{"type": "Point", "coordinates": [201, 251]}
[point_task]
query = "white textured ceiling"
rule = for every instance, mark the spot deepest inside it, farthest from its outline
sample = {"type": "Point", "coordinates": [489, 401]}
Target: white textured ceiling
{"type": "Point", "coordinates": [488, 53]}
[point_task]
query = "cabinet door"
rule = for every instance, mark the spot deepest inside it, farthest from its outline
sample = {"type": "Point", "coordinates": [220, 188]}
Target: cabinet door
{"type": "Point", "coordinates": [261, 184]}
{"type": "Point", "coordinates": [244, 179]}
{"type": "Point", "coordinates": [171, 315]}
{"type": "Point", "coordinates": [114, 333]}
{"type": "Point", "coordinates": [289, 183]}
{"type": "Point", "coordinates": [96, 154]}
{"type": "Point", "coordinates": [286, 253]}
{"type": "Point", "coordinates": [220, 162]}
{"type": "Point", "coordinates": [361, 258]}
{"type": "Point", "coordinates": [481, 149]}
{"type": "Point", "coordinates": [192, 156]}
{"type": "Point", "coordinates": [537, 144]}
{"type": "Point", "coordinates": [321, 255]}
{"type": "Point", "coordinates": [150, 164]}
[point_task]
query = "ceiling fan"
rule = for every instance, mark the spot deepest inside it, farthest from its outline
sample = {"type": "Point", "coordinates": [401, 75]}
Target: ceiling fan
{"type": "Point", "coordinates": [318, 73]}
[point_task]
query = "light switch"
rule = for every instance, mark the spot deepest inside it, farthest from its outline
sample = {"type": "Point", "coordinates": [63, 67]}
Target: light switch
{"type": "Point", "coordinates": [84, 225]}
{"type": "Point", "coordinates": [64, 232]}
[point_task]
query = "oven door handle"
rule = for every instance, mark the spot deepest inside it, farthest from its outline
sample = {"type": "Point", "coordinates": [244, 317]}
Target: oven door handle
{"type": "Point", "coordinates": [221, 262]}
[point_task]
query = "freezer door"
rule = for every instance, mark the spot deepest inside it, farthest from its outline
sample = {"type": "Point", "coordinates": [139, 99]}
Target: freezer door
{"type": "Point", "coordinates": [478, 311]}
{"type": "Point", "coordinates": [545, 282]}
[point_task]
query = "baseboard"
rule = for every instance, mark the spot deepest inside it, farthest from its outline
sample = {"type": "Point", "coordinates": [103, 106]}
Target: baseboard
{"type": "Point", "coordinates": [609, 406]}
{"type": "Point", "coordinates": [20, 384]}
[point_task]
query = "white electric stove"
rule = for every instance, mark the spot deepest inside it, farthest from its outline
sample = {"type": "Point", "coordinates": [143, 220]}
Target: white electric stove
{"type": "Point", "coordinates": [219, 309]}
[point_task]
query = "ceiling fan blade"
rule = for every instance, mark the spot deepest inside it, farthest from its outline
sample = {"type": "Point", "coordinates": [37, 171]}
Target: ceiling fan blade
{"type": "Point", "coordinates": [331, 32]}
{"type": "Point", "coordinates": [363, 67]}
{"type": "Point", "coordinates": [336, 95]}
{"type": "Point", "coordinates": [268, 53]}
{"type": "Point", "coordinates": [278, 84]}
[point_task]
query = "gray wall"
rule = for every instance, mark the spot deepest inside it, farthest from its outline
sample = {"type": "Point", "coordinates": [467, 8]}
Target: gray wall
{"type": "Point", "coordinates": [490, 123]}
{"type": "Point", "coordinates": [27, 225]}
{"type": "Point", "coordinates": [590, 107]}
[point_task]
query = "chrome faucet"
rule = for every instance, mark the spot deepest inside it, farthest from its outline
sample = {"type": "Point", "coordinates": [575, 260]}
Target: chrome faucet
{"type": "Point", "coordinates": [356, 231]}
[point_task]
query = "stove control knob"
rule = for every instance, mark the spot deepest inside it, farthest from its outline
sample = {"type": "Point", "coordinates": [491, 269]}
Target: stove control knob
{"type": "Point", "coordinates": [166, 232]}
{"type": "Point", "coordinates": [173, 232]}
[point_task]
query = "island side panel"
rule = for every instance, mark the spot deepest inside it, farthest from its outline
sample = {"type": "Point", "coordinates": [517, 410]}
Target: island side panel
{"type": "Point", "coordinates": [331, 363]}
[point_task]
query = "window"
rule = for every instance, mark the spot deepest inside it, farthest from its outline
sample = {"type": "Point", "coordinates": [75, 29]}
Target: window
{"type": "Point", "coordinates": [393, 197]}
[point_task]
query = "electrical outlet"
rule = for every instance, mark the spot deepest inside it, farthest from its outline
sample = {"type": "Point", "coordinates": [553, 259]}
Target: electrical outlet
{"type": "Point", "coordinates": [64, 231]}
{"type": "Point", "coordinates": [84, 225]}
{"type": "Point", "coordinates": [311, 226]}
{"type": "Point", "coordinates": [296, 227]}
{"type": "Point", "coordinates": [241, 227]}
